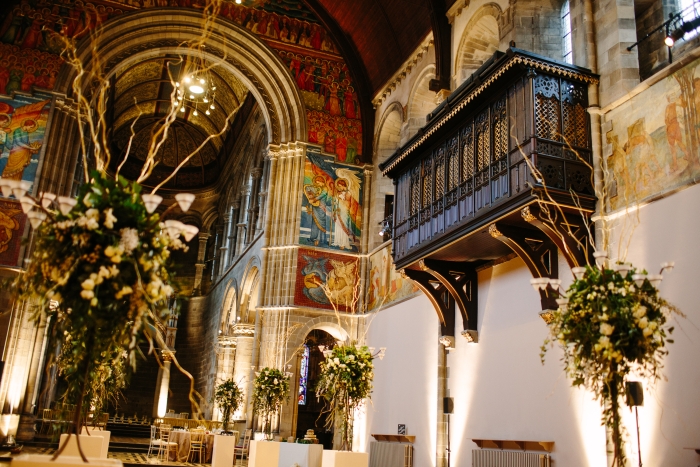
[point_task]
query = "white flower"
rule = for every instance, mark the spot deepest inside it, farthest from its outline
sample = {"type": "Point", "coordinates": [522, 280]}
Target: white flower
{"type": "Point", "coordinates": [604, 316]}
{"type": "Point", "coordinates": [104, 273]}
{"type": "Point", "coordinates": [276, 382]}
{"type": "Point", "coordinates": [640, 312]}
{"type": "Point", "coordinates": [86, 200]}
{"type": "Point", "coordinates": [336, 361]}
{"type": "Point", "coordinates": [126, 290]}
{"type": "Point", "coordinates": [87, 294]}
{"type": "Point", "coordinates": [611, 286]}
{"type": "Point", "coordinates": [647, 332]}
{"type": "Point", "coordinates": [129, 240]}
{"type": "Point", "coordinates": [111, 251]}
{"type": "Point", "coordinates": [88, 284]}
{"type": "Point", "coordinates": [114, 270]}
{"type": "Point", "coordinates": [653, 325]}
{"type": "Point", "coordinates": [94, 301]}
{"type": "Point", "coordinates": [606, 329]}
{"type": "Point", "coordinates": [604, 341]}
{"type": "Point", "coordinates": [109, 219]}
{"type": "Point", "coordinates": [92, 214]}
{"type": "Point", "coordinates": [351, 357]}
{"type": "Point", "coordinates": [643, 323]}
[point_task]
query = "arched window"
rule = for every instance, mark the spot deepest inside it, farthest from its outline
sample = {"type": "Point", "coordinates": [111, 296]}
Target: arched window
{"type": "Point", "coordinates": [567, 47]}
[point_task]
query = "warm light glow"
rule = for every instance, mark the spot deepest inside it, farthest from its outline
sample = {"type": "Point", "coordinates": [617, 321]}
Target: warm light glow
{"type": "Point", "coordinates": [187, 79]}
{"type": "Point", "coordinates": [195, 113]}
{"type": "Point", "coordinates": [196, 89]}
{"type": "Point", "coordinates": [163, 394]}
{"type": "Point", "coordinates": [182, 109]}
{"type": "Point", "coordinates": [669, 41]}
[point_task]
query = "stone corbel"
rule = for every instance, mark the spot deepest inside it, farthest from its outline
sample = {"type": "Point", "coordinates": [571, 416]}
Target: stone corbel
{"type": "Point", "coordinates": [567, 232]}
{"type": "Point", "coordinates": [459, 279]}
{"type": "Point", "coordinates": [537, 251]}
{"type": "Point", "coordinates": [440, 298]}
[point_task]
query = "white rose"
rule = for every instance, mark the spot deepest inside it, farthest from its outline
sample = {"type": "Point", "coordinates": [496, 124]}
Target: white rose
{"type": "Point", "coordinates": [643, 323]}
{"type": "Point", "coordinates": [647, 332]}
{"type": "Point", "coordinates": [606, 329]}
{"type": "Point", "coordinates": [336, 361]}
{"type": "Point", "coordinates": [276, 382]}
{"type": "Point", "coordinates": [109, 219]}
{"type": "Point", "coordinates": [87, 294]}
{"type": "Point", "coordinates": [88, 284]}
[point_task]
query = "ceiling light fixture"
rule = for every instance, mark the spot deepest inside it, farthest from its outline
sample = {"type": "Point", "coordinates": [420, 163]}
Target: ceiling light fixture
{"type": "Point", "coordinates": [195, 88]}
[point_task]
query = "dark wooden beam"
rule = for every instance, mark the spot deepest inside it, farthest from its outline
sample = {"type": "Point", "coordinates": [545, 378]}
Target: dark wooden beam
{"type": "Point", "coordinates": [459, 278]}
{"type": "Point", "coordinates": [358, 71]}
{"type": "Point", "coordinates": [438, 296]}
{"type": "Point", "coordinates": [442, 38]}
{"type": "Point", "coordinates": [537, 251]}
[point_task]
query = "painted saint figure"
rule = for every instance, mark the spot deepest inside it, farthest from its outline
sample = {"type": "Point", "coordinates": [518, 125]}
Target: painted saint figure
{"type": "Point", "coordinates": [319, 208]}
{"type": "Point", "coordinates": [21, 150]}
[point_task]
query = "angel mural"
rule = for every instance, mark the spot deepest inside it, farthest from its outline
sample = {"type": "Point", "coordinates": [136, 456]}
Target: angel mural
{"type": "Point", "coordinates": [11, 227]}
{"type": "Point", "coordinates": [327, 280]}
{"type": "Point", "coordinates": [22, 130]}
{"type": "Point", "coordinates": [331, 206]}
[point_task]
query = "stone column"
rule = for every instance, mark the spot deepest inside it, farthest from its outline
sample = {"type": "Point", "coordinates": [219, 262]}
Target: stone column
{"type": "Point", "coordinates": [160, 401]}
{"type": "Point", "coordinates": [199, 267]}
{"type": "Point", "coordinates": [233, 234]}
{"type": "Point", "coordinates": [243, 220]}
{"type": "Point", "coordinates": [56, 173]}
{"type": "Point", "coordinates": [253, 206]}
{"type": "Point", "coordinates": [242, 363]}
{"type": "Point", "coordinates": [223, 249]}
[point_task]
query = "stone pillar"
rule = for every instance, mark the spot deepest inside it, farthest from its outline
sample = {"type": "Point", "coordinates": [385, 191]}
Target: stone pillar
{"type": "Point", "coordinates": [218, 241]}
{"type": "Point", "coordinates": [442, 456]}
{"type": "Point", "coordinates": [56, 173]}
{"type": "Point", "coordinates": [233, 235]}
{"type": "Point", "coordinates": [160, 401]}
{"type": "Point", "coordinates": [242, 364]}
{"type": "Point", "coordinates": [223, 249]}
{"type": "Point", "coordinates": [253, 206]}
{"type": "Point", "coordinates": [199, 267]}
{"type": "Point", "coordinates": [243, 220]}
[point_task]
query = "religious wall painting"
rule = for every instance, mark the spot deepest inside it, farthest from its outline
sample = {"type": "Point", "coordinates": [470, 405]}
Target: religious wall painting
{"type": "Point", "coordinates": [22, 134]}
{"type": "Point", "coordinates": [331, 215]}
{"type": "Point", "coordinates": [654, 144]}
{"type": "Point", "coordinates": [325, 280]}
{"type": "Point", "coordinates": [31, 31]}
{"type": "Point", "coordinates": [12, 221]}
{"type": "Point", "coordinates": [386, 285]}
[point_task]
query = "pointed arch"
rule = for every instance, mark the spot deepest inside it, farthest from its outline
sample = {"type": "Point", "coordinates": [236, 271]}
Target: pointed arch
{"type": "Point", "coordinates": [479, 41]}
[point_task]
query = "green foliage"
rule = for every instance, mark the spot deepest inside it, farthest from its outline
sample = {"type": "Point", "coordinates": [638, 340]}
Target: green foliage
{"type": "Point", "coordinates": [100, 274]}
{"type": "Point", "coordinates": [270, 389]}
{"type": "Point", "coordinates": [229, 397]}
{"type": "Point", "coordinates": [345, 382]}
{"type": "Point", "coordinates": [609, 328]}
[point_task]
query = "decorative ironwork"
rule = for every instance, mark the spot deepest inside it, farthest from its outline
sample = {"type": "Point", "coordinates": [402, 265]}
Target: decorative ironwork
{"type": "Point", "coordinates": [453, 163]}
{"type": "Point", "coordinates": [500, 129]}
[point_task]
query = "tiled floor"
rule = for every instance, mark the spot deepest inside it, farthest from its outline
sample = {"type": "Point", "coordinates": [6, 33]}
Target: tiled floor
{"type": "Point", "coordinates": [125, 457]}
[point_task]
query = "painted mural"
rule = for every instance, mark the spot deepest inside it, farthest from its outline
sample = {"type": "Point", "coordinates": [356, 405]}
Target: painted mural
{"type": "Point", "coordinates": [331, 205]}
{"type": "Point", "coordinates": [12, 221]}
{"type": "Point", "coordinates": [30, 48]}
{"type": "Point", "coordinates": [326, 279]}
{"type": "Point", "coordinates": [656, 148]}
{"type": "Point", "coordinates": [386, 285]}
{"type": "Point", "coordinates": [22, 131]}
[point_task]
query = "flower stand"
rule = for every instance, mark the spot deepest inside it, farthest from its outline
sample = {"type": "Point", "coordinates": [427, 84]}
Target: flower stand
{"type": "Point", "coordinates": [91, 446]}
{"type": "Point", "coordinates": [104, 434]}
{"type": "Point", "coordinates": [263, 454]}
{"type": "Point", "coordinates": [223, 451]}
{"type": "Point", "coordinates": [44, 460]}
{"type": "Point", "coordinates": [345, 459]}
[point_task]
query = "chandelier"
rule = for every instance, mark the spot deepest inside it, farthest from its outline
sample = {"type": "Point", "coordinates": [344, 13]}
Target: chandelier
{"type": "Point", "coordinates": [196, 90]}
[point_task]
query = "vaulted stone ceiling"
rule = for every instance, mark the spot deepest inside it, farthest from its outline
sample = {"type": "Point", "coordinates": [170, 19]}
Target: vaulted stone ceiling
{"type": "Point", "coordinates": [142, 97]}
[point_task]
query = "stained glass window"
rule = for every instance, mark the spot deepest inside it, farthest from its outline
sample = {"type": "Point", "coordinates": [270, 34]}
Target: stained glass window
{"type": "Point", "coordinates": [304, 376]}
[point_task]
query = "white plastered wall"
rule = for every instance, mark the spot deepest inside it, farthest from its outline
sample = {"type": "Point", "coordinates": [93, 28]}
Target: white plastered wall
{"type": "Point", "coordinates": [502, 391]}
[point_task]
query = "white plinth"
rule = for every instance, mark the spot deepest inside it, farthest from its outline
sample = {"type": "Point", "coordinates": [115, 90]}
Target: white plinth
{"type": "Point", "coordinates": [345, 459]}
{"type": "Point", "coordinates": [222, 454]}
{"type": "Point", "coordinates": [44, 460]}
{"type": "Point", "coordinates": [303, 455]}
{"type": "Point", "coordinates": [263, 454]}
{"type": "Point", "coordinates": [90, 445]}
{"type": "Point", "coordinates": [105, 439]}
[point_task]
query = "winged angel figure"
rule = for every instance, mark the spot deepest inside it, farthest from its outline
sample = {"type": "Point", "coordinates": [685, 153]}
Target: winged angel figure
{"type": "Point", "coordinates": [15, 130]}
{"type": "Point", "coordinates": [345, 209]}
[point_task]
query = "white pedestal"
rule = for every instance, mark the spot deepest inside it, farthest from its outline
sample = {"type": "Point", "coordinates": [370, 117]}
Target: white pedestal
{"type": "Point", "coordinates": [304, 455]}
{"type": "Point", "coordinates": [222, 453]}
{"type": "Point", "coordinates": [44, 460]}
{"type": "Point", "coordinates": [105, 439]}
{"type": "Point", "coordinates": [263, 454]}
{"type": "Point", "coordinates": [90, 445]}
{"type": "Point", "coordinates": [345, 459]}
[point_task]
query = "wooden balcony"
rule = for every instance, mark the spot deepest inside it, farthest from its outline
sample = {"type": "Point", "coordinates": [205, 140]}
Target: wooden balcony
{"type": "Point", "coordinates": [474, 184]}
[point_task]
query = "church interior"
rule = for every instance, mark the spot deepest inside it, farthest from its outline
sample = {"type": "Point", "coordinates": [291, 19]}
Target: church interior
{"type": "Point", "coordinates": [476, 195]}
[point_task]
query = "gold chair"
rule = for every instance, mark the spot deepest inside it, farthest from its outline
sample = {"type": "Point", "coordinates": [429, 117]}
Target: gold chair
{"type": "Point", "coordinates": [197, 445]}
{"type": "Point", "coordinates": [164, 443]}
{"type": "Point", "coordinates": [242, 449]}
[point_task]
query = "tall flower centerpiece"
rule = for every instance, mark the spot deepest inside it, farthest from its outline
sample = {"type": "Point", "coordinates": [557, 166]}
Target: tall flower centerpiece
{"type": "Point", "coordinates": [229, 397]}
{"type": "Point", "coordinates": [270, 389]}
{"type": "Point", "coordinates": [345, 382]}
{"type": "Point", "coordinates": [612, 322]}
{"type": "Point", "coordinates": [99, 270]}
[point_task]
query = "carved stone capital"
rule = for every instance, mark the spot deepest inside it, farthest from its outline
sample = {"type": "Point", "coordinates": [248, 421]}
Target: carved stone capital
{"type": "Point", "coordinates": [256, 173]}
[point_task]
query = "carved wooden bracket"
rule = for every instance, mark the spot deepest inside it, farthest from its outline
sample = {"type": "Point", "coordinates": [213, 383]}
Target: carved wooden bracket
{"type": "Point", "coordinates": [537, 251]}
{"type": "Point", "coordinates": [460, 281]}
{"type": "Point", "coordinates": [567, 231]}
{"type": "Point", "coordinates": [439, 296]}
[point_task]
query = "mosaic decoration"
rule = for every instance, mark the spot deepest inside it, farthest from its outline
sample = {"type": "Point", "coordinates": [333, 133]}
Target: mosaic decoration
{"type": "Point", "coordinates": [319, 270]}
{"type": "Point", "coordinates": [12, 221]}
{"type": "Point", "coordinates": [29, 55]}
{"type": "Point", "coordinates": [386, 286]}
{"type": "Point", "coordinates": [22, 133]}
{"type": "Point", "coordinates": [332, 205]}
{"type": "Point", "coordinates": [304, 376]}
{"type": "Point", "coordinates": [655, 149]}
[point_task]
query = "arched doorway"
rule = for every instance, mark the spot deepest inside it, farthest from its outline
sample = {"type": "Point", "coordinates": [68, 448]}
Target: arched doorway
{"type": "Point", "coordinates": [311, 412]}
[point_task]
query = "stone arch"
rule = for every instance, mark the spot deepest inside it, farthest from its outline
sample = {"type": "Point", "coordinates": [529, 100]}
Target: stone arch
{"type": "Point", "coordinates": [479, 41]}
{"type": "Point", "coordinates": [140, 35]}
{"type": "Point", "coordinates": [229, 305]}
{"type": "Point", "coordinates": [250, 290]}
{"type": "Point", "coordinates": [421, 101]}
{"type": "Point", "coordinates": [324, 323]}
{"type": "Point", "coordinates": [387, 140]}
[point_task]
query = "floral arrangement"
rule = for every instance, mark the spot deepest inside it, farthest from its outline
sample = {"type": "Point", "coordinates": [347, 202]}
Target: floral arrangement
{"type": "Point", "coordinates": [270, 389]}
{"type": "Point", "coordinates": [611, 322]}
{"type": "Point", "coordinates": [345, 382]}
{"type": "Point", "coordinates": [229, 397]}
{"type": "Point", "coordinates": [99, 271]}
